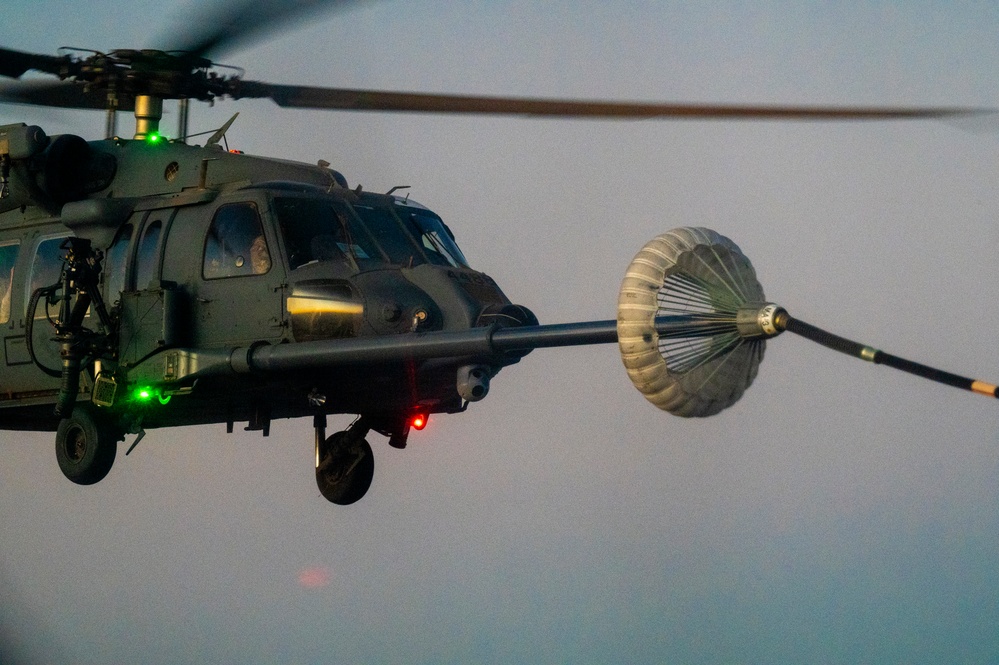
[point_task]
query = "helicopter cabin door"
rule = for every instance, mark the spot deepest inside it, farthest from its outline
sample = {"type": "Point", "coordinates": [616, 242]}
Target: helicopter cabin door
{"type": "Point", "coordinates": [37, 256]}
{"type": "Point", "coordinates": [132, 282]}
{"type": "Point", "coordinates": [234, 279]}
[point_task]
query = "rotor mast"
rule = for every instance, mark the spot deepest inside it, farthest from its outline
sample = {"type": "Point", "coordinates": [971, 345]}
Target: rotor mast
{"type": "Point", "coordinates": [148, 113]}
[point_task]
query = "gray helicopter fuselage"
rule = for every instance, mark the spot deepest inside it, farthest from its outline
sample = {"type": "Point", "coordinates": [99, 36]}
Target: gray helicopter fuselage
{"type": "Point", "coordinates": [206, 251]}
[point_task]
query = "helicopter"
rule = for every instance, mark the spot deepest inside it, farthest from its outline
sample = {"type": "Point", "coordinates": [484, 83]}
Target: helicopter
{"type": "Point", "coordinates": [150, 283]}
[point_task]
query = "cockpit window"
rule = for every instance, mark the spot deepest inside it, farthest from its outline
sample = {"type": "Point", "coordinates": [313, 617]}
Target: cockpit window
{"type": "Point", "coordinates": [316, 230]}
{"type": "Point", "coordinates": [438, 243]}
{"type": "Point", "coordinates": [370, 230]}
{"type": "Point", "coordinates": [389, 234]}
{"type": "Point", "coordinates": [235, 245]}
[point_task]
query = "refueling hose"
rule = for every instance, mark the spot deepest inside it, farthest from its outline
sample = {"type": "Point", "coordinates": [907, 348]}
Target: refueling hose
{"type": "Point", "coordinates": [785, 321]}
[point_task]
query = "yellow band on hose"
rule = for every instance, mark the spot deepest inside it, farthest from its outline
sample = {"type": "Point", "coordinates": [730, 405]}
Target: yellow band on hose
{"type": "Point", "coordinates": [983, 388]}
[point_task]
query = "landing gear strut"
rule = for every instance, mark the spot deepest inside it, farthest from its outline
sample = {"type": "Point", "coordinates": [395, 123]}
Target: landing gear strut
{"type": "Point", "coordinates": [345, 464]}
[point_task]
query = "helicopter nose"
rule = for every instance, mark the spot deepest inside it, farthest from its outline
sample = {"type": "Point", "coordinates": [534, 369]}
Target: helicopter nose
{"type": "Point", "coordinates": [507, 316]}
{"type": "Point", "coordinates": [511, 315]}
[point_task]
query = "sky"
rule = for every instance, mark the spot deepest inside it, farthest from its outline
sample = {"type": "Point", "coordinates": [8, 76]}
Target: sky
{"type": "Point", "coordinates": [840, 512]}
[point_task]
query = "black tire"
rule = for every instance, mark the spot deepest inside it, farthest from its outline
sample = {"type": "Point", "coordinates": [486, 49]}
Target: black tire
{"type": "Point", "coordinates": [345, 470]}
{"type": "Point", "coordinates": [85, 447]}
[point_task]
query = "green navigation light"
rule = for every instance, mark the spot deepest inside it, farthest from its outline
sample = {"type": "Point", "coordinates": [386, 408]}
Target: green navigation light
{"type": "Point", "coordinates": [145, 394]}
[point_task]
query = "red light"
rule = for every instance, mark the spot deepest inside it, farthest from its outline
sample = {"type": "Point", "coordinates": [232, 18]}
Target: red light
{"type": "Point", "coordinates": [419, 421]}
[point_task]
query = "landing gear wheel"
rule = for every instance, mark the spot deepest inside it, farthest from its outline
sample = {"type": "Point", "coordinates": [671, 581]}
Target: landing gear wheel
{"type": "Point", "coordinates": [346, 467]}
{"type": "Point", "coordinates": [85, 446]}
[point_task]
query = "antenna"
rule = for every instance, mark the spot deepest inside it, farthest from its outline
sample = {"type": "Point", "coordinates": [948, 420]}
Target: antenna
{"type": "Point", "coordinates": [220, 133]}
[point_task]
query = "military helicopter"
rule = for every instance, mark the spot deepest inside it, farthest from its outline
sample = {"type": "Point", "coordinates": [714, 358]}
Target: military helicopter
{"type": "Point", "coordinates": [149, 283]}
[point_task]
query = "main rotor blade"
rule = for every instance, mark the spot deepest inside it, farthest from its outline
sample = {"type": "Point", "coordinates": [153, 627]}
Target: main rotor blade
{"type": "Point", "coordinates": [307, 97]}
{"type": "Point", "coordinates": [15, 63]}
{"type": "Point", "coordinates": [61, 94]}
{"type": "Point", "coordinates": [227, 24]}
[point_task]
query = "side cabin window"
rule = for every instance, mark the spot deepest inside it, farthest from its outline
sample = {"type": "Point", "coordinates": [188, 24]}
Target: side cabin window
{"type": "Point", "coordinates": [115, 264]}
{"type": "Point", "coordinates": [8, 256]}
{"type": "Point", "coordinates": [147, 256]}
{"type": "Point", "coordinates": [235, 245]}
{"type": "Point", "coordinates": [46, 267]}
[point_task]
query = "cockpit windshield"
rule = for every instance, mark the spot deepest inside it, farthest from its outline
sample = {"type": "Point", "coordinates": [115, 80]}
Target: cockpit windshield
{"type": "Point", "coordinates": [435, 236]}
{"type": "Point", "coordinates": [370, 230]}
{"type": "Point", "coordinates": [395, 240]}
{"type": "Point", "coordinates": [321, 230]}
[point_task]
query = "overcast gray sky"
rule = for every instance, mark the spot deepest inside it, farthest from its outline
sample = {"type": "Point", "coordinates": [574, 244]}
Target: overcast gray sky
{"type": "Point", "coordinates": [838, 513]}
